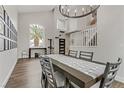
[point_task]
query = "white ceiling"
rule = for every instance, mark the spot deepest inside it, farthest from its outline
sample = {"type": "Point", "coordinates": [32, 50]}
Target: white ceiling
{"type": "Point", "coordinates": [34, 8]}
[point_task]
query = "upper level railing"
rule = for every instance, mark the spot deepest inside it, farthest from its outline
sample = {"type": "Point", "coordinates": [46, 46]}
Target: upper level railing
{"type": "Point", "coordinates": [90, 37]}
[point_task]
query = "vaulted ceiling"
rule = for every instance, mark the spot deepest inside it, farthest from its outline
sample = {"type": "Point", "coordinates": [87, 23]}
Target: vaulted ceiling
{"type": "Point", "coordinates": [34, 8]}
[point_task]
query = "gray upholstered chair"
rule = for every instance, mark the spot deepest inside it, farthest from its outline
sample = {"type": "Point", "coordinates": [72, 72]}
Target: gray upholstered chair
{"type": "Point", "coordinates": [86, 55]}
{"type": "Point", "coordinates": [72, 53]}
{"type": "Point", "coordinates": [54, 79]}
{"type": "Point", "coordinates": [108, 76]}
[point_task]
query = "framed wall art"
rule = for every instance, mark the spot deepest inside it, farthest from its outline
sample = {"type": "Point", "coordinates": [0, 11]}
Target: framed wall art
{"type": "Point", "coordinates": [8, 33]}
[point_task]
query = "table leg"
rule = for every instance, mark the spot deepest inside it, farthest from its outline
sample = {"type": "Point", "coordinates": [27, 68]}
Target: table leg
{"type": "Point", "coordinates": [29, 53]}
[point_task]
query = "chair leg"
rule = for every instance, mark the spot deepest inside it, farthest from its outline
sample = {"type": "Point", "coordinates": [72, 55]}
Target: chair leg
{"type": "Point", "coordinates": [67, 85]}
{"type": "Point", "coordinates": [46, 83]}
{"type": "Point", "coordinates": [43, 81]}
{"type": "Point", "coordinates": [70, 85]}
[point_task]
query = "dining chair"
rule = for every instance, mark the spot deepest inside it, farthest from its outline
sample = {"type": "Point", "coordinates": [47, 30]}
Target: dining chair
{"type": "Point", "coordinates": [108, 76]}
{"type": "Point", "coordinates": [54, 79]}
{"type": "Point", "coordinates": [86, 55]}
{"type": "Point", "coordinates": [43, 76]}
{"type": "Point", "coordinates": [72, 53]}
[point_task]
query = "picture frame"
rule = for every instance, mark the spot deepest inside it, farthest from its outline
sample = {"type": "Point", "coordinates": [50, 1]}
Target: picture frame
{"type": "Point", "coordinates": [10, 46]}
{"type": "Point", "coordinates": [8, 20]}
{"type": "Point", "coordinates": [10, 24]}
{"type": "Point", "coordinates": [1, 27]}
{"type": "Point", "coordinates": [1, 11]}
{"type": "Point", "coordinates": [5, 30]}
{"type": "Point", "coordinates": [6, 44]}
{"type": "Point", "coordinates": [5, 17]}
{"type": "Point", "coordinates": [8, 34]}
{"type": "Point", "coordinates": [12, 35]}
{"type": "Point", "coordinates": [1, 44]}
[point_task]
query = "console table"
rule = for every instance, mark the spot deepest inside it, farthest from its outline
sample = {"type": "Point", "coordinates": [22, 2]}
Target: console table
{"type": "Point", "coordinates": [30, 49]}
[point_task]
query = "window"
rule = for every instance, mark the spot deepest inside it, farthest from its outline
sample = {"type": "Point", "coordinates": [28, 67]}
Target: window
{"type": "Point", "coordinates": [37, 36]}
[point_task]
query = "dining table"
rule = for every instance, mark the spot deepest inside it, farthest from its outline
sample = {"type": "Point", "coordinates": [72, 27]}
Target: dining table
{"type": "Point", "coordinates": [81, 72]}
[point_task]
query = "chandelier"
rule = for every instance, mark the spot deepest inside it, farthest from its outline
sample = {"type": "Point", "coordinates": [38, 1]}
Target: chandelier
{"type": "Point", "coordinates": [77, 11]}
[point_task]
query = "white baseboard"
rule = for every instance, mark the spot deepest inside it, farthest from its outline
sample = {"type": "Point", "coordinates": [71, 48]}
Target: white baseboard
{"type": "Point", "coordinates": [8, 76]}
{"type": "Point", "coordinates": [120, 79]}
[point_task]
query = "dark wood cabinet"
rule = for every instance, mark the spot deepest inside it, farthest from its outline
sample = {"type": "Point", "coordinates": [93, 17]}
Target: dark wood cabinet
{"type": "Point", "coordinates": [30, 49]}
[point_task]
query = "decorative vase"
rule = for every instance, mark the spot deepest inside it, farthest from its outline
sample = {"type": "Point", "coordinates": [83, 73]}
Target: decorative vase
{"type": "Point", "coordinates": [36, 41]}
{"type": "Point", "coordinates": [93, 21]}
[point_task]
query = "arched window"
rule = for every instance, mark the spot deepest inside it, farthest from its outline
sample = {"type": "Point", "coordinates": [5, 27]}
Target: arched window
{"type": "Point", "coordinates": [37, 36]}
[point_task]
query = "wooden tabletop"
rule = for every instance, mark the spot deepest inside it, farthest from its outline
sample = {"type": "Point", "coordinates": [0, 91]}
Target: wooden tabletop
{"type": "Point", "coordinates": [83, 80]}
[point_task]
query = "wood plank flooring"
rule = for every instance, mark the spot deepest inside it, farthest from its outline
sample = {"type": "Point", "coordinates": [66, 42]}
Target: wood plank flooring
{"type": "Point", "coordinates": [27, 74]}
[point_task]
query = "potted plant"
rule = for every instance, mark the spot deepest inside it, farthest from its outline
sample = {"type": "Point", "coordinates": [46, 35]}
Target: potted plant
{"type": "Point", "coordinates": [36, 34]}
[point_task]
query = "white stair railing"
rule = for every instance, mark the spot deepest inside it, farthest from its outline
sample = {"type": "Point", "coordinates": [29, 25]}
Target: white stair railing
{"type": "Point", "coordinates": [90, 37]}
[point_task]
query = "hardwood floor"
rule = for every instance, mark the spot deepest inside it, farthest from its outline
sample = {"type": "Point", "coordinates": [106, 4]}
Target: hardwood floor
{"type": "Point", "coordinates": [117, 84]}
{"type": "Point", "coordinates": [27, 74]}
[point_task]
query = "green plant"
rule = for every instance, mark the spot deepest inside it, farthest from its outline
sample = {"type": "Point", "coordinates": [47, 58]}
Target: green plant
{"type": "Point", "coordinates": [36, 32]}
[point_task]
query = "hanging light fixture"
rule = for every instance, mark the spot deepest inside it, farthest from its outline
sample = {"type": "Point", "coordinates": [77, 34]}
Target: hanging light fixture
{"type": "Point", "coordinates": [77, 11]}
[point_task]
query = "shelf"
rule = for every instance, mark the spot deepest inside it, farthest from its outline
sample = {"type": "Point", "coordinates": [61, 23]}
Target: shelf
{"type": "Point", "coordinates": [67, 33]}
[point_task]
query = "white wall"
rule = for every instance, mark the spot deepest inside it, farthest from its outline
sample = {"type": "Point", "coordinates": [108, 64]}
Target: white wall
{"type": "Point", "coordinates": [78, 24]}
{"type": "Point", "coordinates": [57, 16]}
{"type": "Point", "coordinates": [45, 19]}
{"type": "Point", "coordinates": [73, 25]}
{"type": "Point", "coordinates": [110, 37]}
{"type": "Point", "coordinates": [8, 58]}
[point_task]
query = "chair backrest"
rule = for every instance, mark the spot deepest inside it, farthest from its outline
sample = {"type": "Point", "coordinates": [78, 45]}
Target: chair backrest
{"type": "Point", "coordinates": [72, 53]}
{"type": "Point", "coordinates": [43, 75]}
{"type": "Point", "coordinates": [86, 55]}
{"type": "Point", "coordinates": [41, 63]}
{"type": "Point", "coordinates": [49, 72]}
{"type": "Point", "coordinates": [110, 73]}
